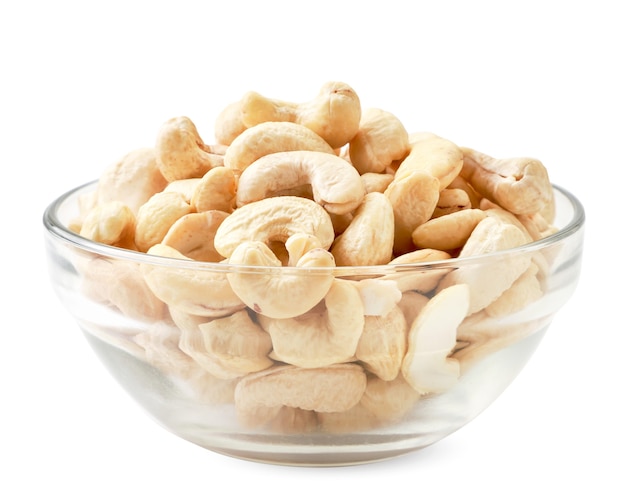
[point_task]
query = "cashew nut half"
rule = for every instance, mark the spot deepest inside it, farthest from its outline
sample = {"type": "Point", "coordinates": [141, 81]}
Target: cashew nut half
{"type": "Point", "coordinates": [320, 337]}
{"type": "Point", "coordinates": [274, 219]}
{"type": "Point", "coordinates": [432, 337]}
{"type": "Point", "coordinates": [335, 184]}
{"type": "Point", "coordinates": [287, 292]}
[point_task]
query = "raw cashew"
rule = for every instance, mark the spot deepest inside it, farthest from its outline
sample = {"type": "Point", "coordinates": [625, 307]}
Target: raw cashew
{"type": "Point", "coordinates": [413, 198]}
{"type": "Point", "coordinates": [111, 223]}
{"type": "Point", "coordinates": [272, 137]}
{"type": "Point", "coordinates": [448, 232]}
{"type": "Point", "coordinates": [193, 291]}
{"type": "Point", "coordinates": [383, 344]}
{"type": "Point", "coordinates": [334, 114]}
{"type": "Point", "coordinates": [368, 239]}
{"type": "Point", "coordinates": [181, 153]}
{"type": "Point", "coordinates": [274, 219]}
{"type": "Point", "coordinates": [289, 291]}
{"type": "Point", "coordinates": [216, 190]}
{"type": "Point", "coordinates": [520, 185]}
{"type": "Point", "coordinates": [421, 280]}
{"type": "Point", "coordinates": [489, 279]}
{"type": "Point", "coordinates": [381, 139]}
{"type": "Point", "coordinates": [321, 337]}
{"type": "Point", "coordinates": [335, 184]}
{"type": "Point", "coordinates": [434, 155]}
{"type": "Point", "coordinates": [427, 366]}
{"type": "Point", "coordinates": [186, 187]}
{"type": "Point", "coordinates": [131, 180]}
{"type": "Point", "coordinates": [156, 216]}
{"type": "Point", "coordinates": [376, 181]}
{"type": "Point", "coordinates": [193, 235]}
{"type": "Point", "coordinates": [451, 200]}
{"type": "Point", "coordinates": [335, 388]}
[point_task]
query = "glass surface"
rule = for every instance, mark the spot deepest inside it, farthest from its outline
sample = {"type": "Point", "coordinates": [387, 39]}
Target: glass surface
{"type": "Point", "coordinates": [146, 318]}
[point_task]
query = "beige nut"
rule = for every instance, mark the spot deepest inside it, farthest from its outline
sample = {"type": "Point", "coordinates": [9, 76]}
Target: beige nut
{"type": "Point", "coordinates": [368, 239]}
{"type": "Point", "coordinates": [193, 234]}
{"type": "Point", "coordinates": [381, 139]}
{"type": "Point", "coordinates": [186, 187]}
{"type": "Point", "coordinates": [111, 223]}
{"type": "Point", "coordinates": [181, 153]}
{"type": "Point", "coordinates": [434, 155]}
{"type": "Point", "coordinates": [376, 181]}
{"type": "Point", "coordinates": [120, 284]}
{"type": "Point", "coordinates": [131, 180]}
{"type": "Point", "coordinates": [322, 337]}
{"type": "Point", "coordinates": [194, 291]}
{"type": "Point", "coordinates": [272, 137]}
{"type": "Point", "coordinates": [274, 220]}
{"type": "Point", "coordinates": [335, 388]}
{"type": "Point", "coordinates": [488, 280]}
{"type": "Point", "coordinates": [420, 280]}
{"type": "Point", "coordinates": [216, 190]}
{"type": "Point", "coordinates": [427, 366]}
{"type": "Point", "coordinates": [524, 291]}
{"type": "Point", "coordinates": [451, 200]}
{"type": "Point", "coordinates": [520, 185]}
{"type": "Point", "coordinates": [156, 216]}
{"type": "Point", "coordinates": [448, 232]}
{"type": "Point", "coordinates": [335, 184]}
{"type": "Point", "coordinates": [383, 344]}
{"type": "Point", "coordinates": [287, 292]}
{"type": "Point", "coordinates": [413, 198]}
{"type": "Point", "coordinates": [459, 183]}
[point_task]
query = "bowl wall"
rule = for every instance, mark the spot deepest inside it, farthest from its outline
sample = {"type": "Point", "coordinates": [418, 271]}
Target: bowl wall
{"type": "Point", "coordinates": [235, 385]}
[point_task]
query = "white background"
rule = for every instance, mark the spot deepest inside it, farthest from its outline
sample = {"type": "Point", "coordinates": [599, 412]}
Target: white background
{"type": "Point", "coordinates": [82, 83]}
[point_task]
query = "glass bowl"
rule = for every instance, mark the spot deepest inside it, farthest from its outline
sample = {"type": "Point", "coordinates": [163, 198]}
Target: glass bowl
{"type": "Point", "coordinates": [352, 380]}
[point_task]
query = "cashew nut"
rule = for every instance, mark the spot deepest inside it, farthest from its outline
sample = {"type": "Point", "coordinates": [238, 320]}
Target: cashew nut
{"type": "Point", "coordinates": [427, 366]}
{"type": "Point", "coordinates": [181, 152]}
{"type": "Point", "coordinates": [274, 219]}
{"type": "Point", "coordinates": [272, 137]}
{"type": "Point", "coordinates": [194, 291]}
{"type": "Point", "coordinates": [451, 200]}
{"type": "Point", "coordinates": [448, 232]}
{"type": "Point", "coordinates": [156, 216]}
{"type": "Point", "coordinates": [421, 280]}
{"type": "Point", "coordinates": [381, 139]}
{"type": "Point", "coordinates": [193, 234]}
{"type": "Point", "coordinates": [368, 239]}
{"type": "Point", "coordinates": [335, 184]}
{"type": "Point", "coordinates": [520, 185]}
{"type": "Point", "coordinates": [111, 223]}
{"type": "Point", "coordinates": [321, 337]}
{"type": "Point", "coordinates": [215, 191]}
{"type": "Point", "coordinates": [285, 293]}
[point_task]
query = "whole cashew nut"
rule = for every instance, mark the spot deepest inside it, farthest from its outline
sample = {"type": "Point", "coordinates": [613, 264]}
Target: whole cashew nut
{"type": "Point", "coordinates": [335, 184]}
{"type": "Point", "coordinates": [181, 152]}
{"type": "Point", "coordinates": [111, 223]}
{"type": "Point", "coordinates": [320, 337]}
{"type": "Point", "coordinates": [156, 216]}
{"type": "Point", "coordinates": [286, 293]}
{"type": "Point", "coordinates": [274, 219]}
{"type": "Point", "coordinates": [271, 137]}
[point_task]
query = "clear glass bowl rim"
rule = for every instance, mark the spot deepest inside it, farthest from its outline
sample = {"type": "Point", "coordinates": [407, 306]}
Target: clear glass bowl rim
{"type": "Point", "coordinates": [60, 231]}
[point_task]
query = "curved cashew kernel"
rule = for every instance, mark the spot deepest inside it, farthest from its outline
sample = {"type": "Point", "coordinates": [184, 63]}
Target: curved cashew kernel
{"type": "Point", "coordinates": [272, 137]}
{"type": "Point", "coordinates": [382, 345]}
{"type": "Point", "coordinates": [434, 155]}
{"type": "Point", "coordinates": [427, 366]}
{"type": "Point", "coordinates": [520, 185]}
{"type": "Point", "coordinates": [368, 239]}
{"type": "Point", "coordinates": [216, 190]}
{"type": "Point", "coordinates": [376, 182]}
{"type": "Point", "coordinates": [334, 388]}
{"type": "Point", "coordinates": [229, 124]}
{"type": "Point", "coordinates": [379, 297]}
{"type": "Point", "coordinates": [285, 293]}
{"type": "Point", "coordinates": [320, 338]}
{"type": "Point", "coordinates": [274, 219]}
{"type": "Point", "coordinates": [413, 198]}
{"type": "Point", "coordinates": [156, 216]}
{"type": "Point", "coordinates": [451, 200]}
{"type": "Point", "coordinates": [335, 184]}
{"type": "Point", "coordinates": [111, 223]}
{"type": "Point", "coordinates": [489, 280]}
{"type": "Point", "coordinates": [132, 180]}
{"type": "Point", "coordinates": [381, 139]}
{"type": "Point", "coordinates": [193, 234]}
{"type": "Point", "coordinates": [118, 283]}
{"type": "Point", "coordinates": [181, 153]}
{"type": "Point", "coordinates": [447, 232]}
{"type": "Point", "coordinates": [196, 292]}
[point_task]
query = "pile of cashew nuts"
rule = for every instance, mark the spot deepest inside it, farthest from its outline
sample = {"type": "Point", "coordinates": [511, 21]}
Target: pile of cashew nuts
{"type": "Point", "coordinates": [308, 189]}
